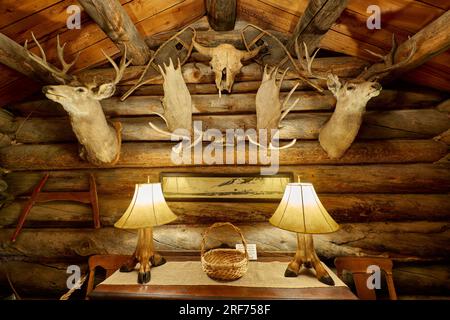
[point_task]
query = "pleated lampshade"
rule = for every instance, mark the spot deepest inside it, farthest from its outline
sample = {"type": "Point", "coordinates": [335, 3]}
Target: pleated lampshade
{"type": "Point", "coordinates": [148, 208]}
{"type": "Point", "coordinates": [301, 211]}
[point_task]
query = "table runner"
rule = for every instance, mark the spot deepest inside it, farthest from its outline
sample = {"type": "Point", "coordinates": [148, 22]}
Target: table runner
{"type": "Point", "coordinates": [190, 273]}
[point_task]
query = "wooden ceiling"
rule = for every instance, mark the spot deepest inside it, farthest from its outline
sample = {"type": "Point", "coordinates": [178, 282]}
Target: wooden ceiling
{"type": "Point", "coordinates": [47, 18]}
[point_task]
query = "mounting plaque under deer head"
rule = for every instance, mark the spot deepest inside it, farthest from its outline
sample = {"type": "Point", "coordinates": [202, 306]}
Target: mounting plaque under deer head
{"type": "Point", "coordinates": [100, 141]}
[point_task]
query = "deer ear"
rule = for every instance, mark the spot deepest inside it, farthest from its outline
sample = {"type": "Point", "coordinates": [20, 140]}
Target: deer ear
{"type": "Point", "coordinates": [105, 90]}
{"type": "Point", "coordinates": [333, 83]}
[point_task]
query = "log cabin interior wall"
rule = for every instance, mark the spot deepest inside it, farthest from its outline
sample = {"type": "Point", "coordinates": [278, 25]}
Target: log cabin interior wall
{"type": "Point", "coordinates": [389, 192]}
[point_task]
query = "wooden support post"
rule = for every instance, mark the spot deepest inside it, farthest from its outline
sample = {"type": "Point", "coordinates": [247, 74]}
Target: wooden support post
{"type": "Point", "coordinates": [117, 24]}
{"type": "Point", "coordinates": [318, 17]}
{"type": "Point", "coordinates": [221, 14]}
{"type": "Point", "coordinates": [430, 41]}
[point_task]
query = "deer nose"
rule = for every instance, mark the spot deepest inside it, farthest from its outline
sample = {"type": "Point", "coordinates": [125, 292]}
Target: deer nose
{"type": "Point", "coordinates": [376, 86]}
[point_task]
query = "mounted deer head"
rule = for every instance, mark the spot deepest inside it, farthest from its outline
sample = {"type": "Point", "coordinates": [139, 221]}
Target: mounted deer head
{"type": "Point", "coordinates": [337, 135]}
{"type": "Point", "coordinates": [225, 62]}
{"type": "Point", "coordinates": [339, 132]}
{"type": "Point", "coordinates": [269, 110]}
{"type": "Point", "coordinates": [100, 141]}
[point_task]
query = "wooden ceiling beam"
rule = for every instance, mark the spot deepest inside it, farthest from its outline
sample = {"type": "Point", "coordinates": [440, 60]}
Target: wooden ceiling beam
{"type": "Point", "coordinates": [117, 24]}
{"type": "Point", "coordinates": [17, 57]}
{"type": "Point", "coordinates": [150, 17]}
{"type": "Point", "coordinates": [221, 14]}
{"type": "Point", "coordinates": [317, 19]}
{"type": "Point", "coordinates": [429, 42]}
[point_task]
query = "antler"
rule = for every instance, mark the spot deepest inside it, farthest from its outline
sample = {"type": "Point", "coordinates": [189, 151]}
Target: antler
{"type": "Point", "coordinates": [122, 65]}
{"type": "Point", "coordinates": [269, 111]}
{"type": "Point", "coordinates": [307, 65]}
{"type": "Point", "coordinates": [389, 60]}
{"type": "Point", "coordinates": [59, 74]}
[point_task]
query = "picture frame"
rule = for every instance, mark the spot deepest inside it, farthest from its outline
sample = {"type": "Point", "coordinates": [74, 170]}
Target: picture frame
{"type": "Point", "coordinates": [224, 187]}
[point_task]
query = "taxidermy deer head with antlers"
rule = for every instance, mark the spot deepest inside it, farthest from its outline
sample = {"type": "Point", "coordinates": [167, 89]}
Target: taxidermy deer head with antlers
{"type": "Point", "coordinates": [225, 62]}
{"type": "Point", "coordinates": [100, 141]}
{"type": "Point", "coordinates": [339, 132]}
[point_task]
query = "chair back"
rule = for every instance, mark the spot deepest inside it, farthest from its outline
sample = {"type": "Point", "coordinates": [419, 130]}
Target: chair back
{"type": "Point", "coordinates": [109, 262]}
{"type": "Point", "coordinates": [358, 267]}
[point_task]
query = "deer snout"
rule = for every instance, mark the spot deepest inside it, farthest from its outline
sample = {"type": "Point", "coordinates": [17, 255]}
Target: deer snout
{"type": "Point", "coordinates": [47, 89]}
{"type": "Point", "coordinates": [50, 93]}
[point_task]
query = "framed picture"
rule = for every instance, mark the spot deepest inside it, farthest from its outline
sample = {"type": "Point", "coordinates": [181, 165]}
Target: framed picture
{"type": "Point", "coordinates": [230, 187]}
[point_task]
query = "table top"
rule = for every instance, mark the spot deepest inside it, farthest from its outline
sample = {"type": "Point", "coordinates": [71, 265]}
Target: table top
{"type": "Point", "coordinates": [219, 291]}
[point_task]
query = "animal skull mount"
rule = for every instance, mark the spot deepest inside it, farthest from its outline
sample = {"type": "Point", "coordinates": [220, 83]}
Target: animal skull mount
{"type": "Point", "coordinates": [100, 141]}
{"type": "Point", "coordinates": [177, 104]}
{"type": "Point", "coordinates": [269, 110]}
{"type": "Point", "coordinates": [225, 62]}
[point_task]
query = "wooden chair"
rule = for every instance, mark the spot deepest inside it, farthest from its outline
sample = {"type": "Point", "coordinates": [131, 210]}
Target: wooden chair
{"type": "Point", "coordinates": [358, 267]}
{"type": "Point", "coordinates": [108, 262]}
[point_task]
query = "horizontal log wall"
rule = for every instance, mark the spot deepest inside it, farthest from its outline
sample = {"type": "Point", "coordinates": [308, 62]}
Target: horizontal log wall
{"type": "Point", "coordinates": [403, 241]}
{"type": "Point", "coordinates": [377, 125]}
{"type": "Point", "coordinates": [388, 194]}
{"type": "Point", "coordinates": [377, 178]}
{"type": "Point", "coordinates": [344, 207]}
{"type": "Point", "coordinates": [158, 154]}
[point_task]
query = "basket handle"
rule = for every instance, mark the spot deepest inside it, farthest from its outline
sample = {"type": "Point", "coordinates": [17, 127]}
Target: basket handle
{"type": "Point", "coordinates": [221, 224]}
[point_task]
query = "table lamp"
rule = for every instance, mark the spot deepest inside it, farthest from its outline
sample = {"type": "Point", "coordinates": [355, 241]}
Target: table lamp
{"type": "Point", "coordinates": [148, 209]}
{"type": "Point", "coordinates": [301, 211]}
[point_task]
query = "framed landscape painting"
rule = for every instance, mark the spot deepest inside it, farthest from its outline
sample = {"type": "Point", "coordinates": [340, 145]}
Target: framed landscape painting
{"type": "Point", "coordinates": [179, 186]}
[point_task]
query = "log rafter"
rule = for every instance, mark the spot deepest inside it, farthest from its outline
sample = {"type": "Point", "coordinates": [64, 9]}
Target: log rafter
{"type": "Point", "coordinates": [316, 20]}
{"type": "Point", "coordinates": [115, 22]}
{"type": "Point", "coordinates": [429, 42]}
{"type": "Point", "coordinates": [16, 57]}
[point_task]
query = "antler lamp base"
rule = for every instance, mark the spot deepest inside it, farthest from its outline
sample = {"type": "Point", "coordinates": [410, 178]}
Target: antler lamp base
{"type": "Point", "coordinates": [306, 255]}
{"type": "Point", "coordinates": [145, 255]}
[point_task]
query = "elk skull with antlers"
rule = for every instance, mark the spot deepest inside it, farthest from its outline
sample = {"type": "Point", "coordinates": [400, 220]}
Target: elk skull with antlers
{"type": "Point", "coordinates": [100, 141]}
{"type": "Point", "coordinates": [225, 62]}
{"type": "Point", "coordinates": [339, 132]}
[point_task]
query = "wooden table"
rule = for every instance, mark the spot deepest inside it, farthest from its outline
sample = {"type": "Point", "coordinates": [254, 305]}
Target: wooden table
{"type": "Point", "coordinates": [138, 291]}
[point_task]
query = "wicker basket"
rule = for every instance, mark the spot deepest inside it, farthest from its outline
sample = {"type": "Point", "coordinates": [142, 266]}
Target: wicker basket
{"type": "Point", "coordinates": [224, 264]}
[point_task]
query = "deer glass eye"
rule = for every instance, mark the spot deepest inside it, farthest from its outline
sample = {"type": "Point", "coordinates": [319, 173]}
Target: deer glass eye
{"type": "Point", "coordinates": [351, 87]}
{"type": "Point", "coordinates": [81, 90]}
